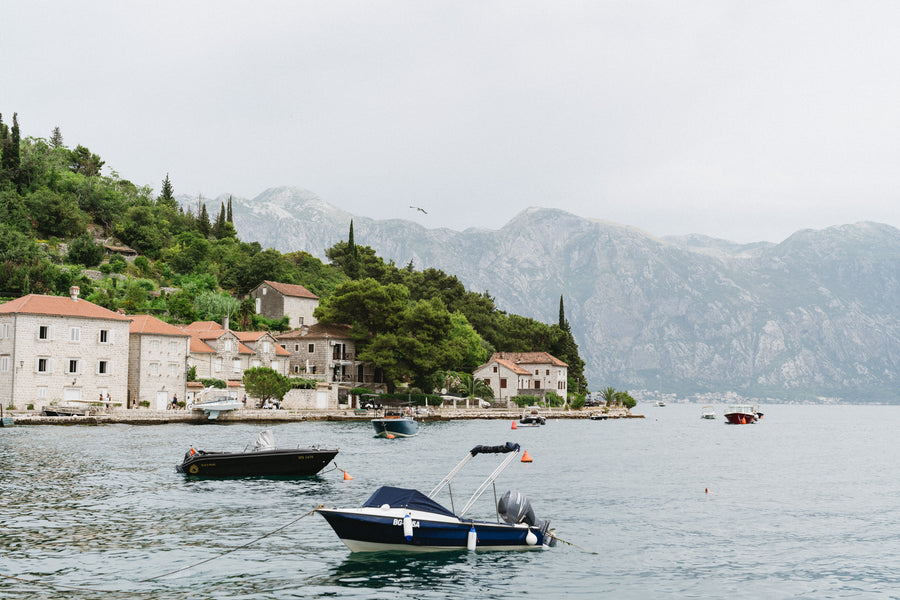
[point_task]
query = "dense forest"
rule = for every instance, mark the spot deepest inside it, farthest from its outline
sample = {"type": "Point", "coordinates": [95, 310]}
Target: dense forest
{"type": "Point", "coordinates": [62, 220]}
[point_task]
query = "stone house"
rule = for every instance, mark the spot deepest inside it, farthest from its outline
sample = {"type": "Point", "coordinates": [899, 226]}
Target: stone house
{"type": "Point", "coordinates": [57, 349]}
{"type": "Point", "coordinates": [328, 353]}
{"type": "Point", "coordinates": [274, 300]}
{"type": "Point", "coordinates": [524, 374]}
{"type": "Point", "coordinates": [220, 353]}
{"type": "Point", "coordinates": [157, 363]}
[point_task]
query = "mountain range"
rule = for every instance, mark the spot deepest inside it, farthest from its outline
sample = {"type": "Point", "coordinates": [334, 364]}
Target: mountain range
{"type": "Point", "coordinates": [815, 317]}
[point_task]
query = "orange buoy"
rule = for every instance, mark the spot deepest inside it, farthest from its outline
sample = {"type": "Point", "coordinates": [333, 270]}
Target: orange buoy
{"type": "Point", "coordinates": [390, 436]}
{"type": "Point", "coordinates": [514, 425]}
{"type": "Point", "coordinates": [347, 476]}
{"type": "Point", "coordinates": [526, 457]}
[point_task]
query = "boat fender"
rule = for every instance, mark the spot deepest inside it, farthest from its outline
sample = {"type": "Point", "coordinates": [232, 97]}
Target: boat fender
{"type": "Point", "coordinates": [407, 527]}
{"type": "Point", "coordinates": [530, 538]}
{"type": "Point", "coordinates": [472, 539]}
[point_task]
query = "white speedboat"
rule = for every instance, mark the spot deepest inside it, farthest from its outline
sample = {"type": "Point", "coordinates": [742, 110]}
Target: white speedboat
{"type": "Point", "coordinates": [213, 407]}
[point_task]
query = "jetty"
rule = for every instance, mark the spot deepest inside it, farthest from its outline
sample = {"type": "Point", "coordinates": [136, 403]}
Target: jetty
{"type": "Point", "coordinates": [162, 417]}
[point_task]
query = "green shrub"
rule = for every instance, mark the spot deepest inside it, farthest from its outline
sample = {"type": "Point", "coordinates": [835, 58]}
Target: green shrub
{"type": "Point", "coordinates": [216, 383]}
{"type": "Point", "coordinates": [298, 383]}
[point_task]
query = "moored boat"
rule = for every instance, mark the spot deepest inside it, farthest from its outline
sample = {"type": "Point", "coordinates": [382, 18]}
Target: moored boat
{"type": "Point", "coordinates": [264, 459]}
{"type": "Point", "coordinates": [531, 416]}
{"type": "Point", "coordinates": [395, 424]}
{"type": "Point", "coordinates": [599, 416]}
{"type": "Point", "coordinates": [742, 414]}
{"type": "Point", "coordinates": [708, 413]}
{"type": "Point", "coordinates": [407, 520]}
{"type": "Point", "coordinates": [220, 404]}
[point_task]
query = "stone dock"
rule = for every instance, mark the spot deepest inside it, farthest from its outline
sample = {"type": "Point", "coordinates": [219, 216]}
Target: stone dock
{"type": "Point", "coordinates": [162, 417]}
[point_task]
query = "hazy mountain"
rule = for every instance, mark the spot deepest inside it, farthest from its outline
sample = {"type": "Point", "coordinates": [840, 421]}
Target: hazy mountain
{"type": "Point", "coordinates": [816, 315]}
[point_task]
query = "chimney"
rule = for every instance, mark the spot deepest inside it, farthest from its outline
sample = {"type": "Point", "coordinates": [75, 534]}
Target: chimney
{"type": "Point", "coordinates": [225, 321]}
{"type": "Point", "coordinates": [73, 293]}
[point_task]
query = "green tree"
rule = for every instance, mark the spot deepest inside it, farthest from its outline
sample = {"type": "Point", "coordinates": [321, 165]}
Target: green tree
{"type": "Point", "coordinates": [56, 138]}
{"type": "Point", "coordinates": [83, 251]}
{"type": "Point", "coordinates": [609, 395]}
{"type": "Point", "coordinates": [167, 194]}
{"type": "Point", "coordinates": [264, 384]}
{"type": "Point", "coordinates": [84, 162]}
{"type": "Point", "coordinates": [213, 306]}
{"type": "Point", "coordinates": [203, 224]}
{"type": "Point", "coordinates": [54, 214]}
{"type": "Point", "coordinates": [229, 217]}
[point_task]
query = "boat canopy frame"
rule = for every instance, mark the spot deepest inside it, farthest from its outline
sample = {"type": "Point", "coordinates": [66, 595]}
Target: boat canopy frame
{"type": "Point", "coordinates": [510, 448]}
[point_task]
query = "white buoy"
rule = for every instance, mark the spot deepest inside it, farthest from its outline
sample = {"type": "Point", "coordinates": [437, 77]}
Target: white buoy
{"type": "Point", "coordinates": [530, 538]}
{"type": "Point", "coordinates": [407, 527]}
{"type": "Point", "coordinates": [472, 539]}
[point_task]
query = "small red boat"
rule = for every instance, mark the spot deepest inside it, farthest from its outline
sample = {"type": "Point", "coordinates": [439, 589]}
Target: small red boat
{"type": "Point", "coordinates": [742, 414]}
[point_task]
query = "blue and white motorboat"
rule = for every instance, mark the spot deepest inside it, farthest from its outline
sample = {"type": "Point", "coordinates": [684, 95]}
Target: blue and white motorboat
{"type": "Point", "coordinates": [400, 519]}
{"type": "Point", "coordinates": [395, 424]}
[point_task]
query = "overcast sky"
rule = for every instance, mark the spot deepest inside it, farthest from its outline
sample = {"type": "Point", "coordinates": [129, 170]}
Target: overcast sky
{"type": "Point", "coordinates": [741, 120]}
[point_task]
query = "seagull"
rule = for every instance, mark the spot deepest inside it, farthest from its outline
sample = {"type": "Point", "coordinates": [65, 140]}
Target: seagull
{"type": "Point", "coordinates": [420, 209]}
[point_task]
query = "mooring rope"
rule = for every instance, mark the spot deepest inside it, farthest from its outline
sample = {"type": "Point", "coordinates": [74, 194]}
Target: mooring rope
{"type": "Point", "coordinates": [262, 537]}
{"type": "Point", "coordinates": [558, 539]}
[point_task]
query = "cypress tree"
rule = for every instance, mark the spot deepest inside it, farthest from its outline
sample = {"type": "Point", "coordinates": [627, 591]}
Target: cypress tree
{"type": "Point", "coordinates": [563, 323]}
{"type": "Point", "coordinates": [351, 268]}
{"type": "Point", "coordinates": [229, 217]}
{"type": "Point", "coordinates": [203, 224]}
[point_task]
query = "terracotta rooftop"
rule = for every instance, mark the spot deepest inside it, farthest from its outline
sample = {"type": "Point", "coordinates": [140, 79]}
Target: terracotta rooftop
{"type": "Point", "coordinates": [317, 331]}
{"type": "Point", "coordinates": [529, 358]}
{"type": "Point", "coordinates": [289, 289]}
{"type": "Point", "coordinates": [203, 325]}
{"type": "Point", "coordinates": [147, 324]}
{"type": "Point", "coordinates": [59, 306]}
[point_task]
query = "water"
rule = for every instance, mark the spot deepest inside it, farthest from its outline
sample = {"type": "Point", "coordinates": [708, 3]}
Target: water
{"type": "Point", "coordinates": [801, 505]}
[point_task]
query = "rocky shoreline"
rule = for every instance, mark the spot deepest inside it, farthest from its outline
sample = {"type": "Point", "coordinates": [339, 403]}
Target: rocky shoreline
{"type": "Point", "coordinates": [163, 417]}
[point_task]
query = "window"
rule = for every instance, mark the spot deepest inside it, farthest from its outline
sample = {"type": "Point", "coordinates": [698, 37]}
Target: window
{"type": "Point", "coordinates": [154, 368]}
{"type": "Point", "coordinates": [227, 345]}
{"type": "Point", "coordinates": [4, 364]}
{"type": "Point", "coordinates": [312, 348]}
{"type": "Point", "coordinates": [296, 347]}
{"type": "Point", "coordinates": [266, 347]}
{"type": "Point", "coordinates": [173, 347]}
{"type": "Point", "coordinates": [4, 330]}
{"type": "Point", "coordinates": [495, 368]}
{"type": "Point", "coordinates": [104, 336]}
{"type": "Point", "coordinates": [43, 365]}
{"type": "Point", "coordinates": [218, 364]}
{"type": "Point", "coordinates": [296, 368]}
{"type": "Point", "coordinates": [103, 367]}
{"type": "Point", "coordinates": [154, 345]}
{"type": "Point", "coordinates": [300, 320]}
{"type": "Point", "coordinates": [42, 391]}
{"type": "Point", "coordinates": [537, 371]}
{"type": "Point", "coordinates": [236, 365]}
{"type": "Point", "coordinates": [487, 382]}
{"type": "Point", "coordinates": [258, 305]}
{"type": "Point", "coordinates": [72, 365]}
{"type": "Point", "coordinates": [74, 334]}
{"type": "Point", "coordinates": [503, 383]}
{"type": "Point", "coordinates": [537, 385]}
{"type": "Point", "coordinates": [548, 371]}
{"type": "Point", "coordinates": [44, 332]}
{"type": "Point", "coordinates": [173, 369]}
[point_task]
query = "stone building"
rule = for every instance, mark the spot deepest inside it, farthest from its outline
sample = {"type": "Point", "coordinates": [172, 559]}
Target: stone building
{"type": "Point", "coordinates": [328, 353]}
{"type": "Point", "coordinates": [58, 349]}
{"type": "Point", "coordinates": [274, 300]}
{"type": "Point", "coordinates": [157, 363]}
{"type": "Point", "coordinates": [524, 374]}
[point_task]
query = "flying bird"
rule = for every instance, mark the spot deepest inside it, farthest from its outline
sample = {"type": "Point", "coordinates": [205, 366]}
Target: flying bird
{"type": "Point", "coordinates": [420, 209]}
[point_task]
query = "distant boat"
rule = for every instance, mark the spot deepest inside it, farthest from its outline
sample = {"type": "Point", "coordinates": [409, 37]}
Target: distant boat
{"type": "Point", "coordinates": [65, 411]}
{"type": "Point", "coordinates": [531, 416]}
{"type": "Point", "coordinates": [395, 424]}
{"type": "Point", "coordinates": [595, 416]}
{"type": "Point", "coordinates": [742, 414]}
{"type": "Point", "coordinates": [263, 460]}
{"type": "Point", "coordinates": [708, 413]}
{"type": "Point", "coordinates": [213, 407]}
{"type": "Point", "coordinates": [660, 403]}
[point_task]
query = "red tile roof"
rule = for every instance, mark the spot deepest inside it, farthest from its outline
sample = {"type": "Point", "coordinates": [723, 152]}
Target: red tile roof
{"type": "Point", "coordinates": [59, 306]}
{"type": "Point", "coordinates": [200, 325]}
{"type": "Point", "coordinates": [529, 358]}
{"type": "Point", "coordinates": [147, 324]}
{"type": "Point", "coordinates": [289, 289]}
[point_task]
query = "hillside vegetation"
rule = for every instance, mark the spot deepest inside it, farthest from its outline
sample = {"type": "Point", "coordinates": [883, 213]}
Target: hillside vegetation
{"type": "Point", "coordinates": [63, 223]}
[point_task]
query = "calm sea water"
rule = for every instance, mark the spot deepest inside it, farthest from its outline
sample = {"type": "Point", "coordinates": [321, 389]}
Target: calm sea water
{"type": "Point", "coordinates": [802, 505]}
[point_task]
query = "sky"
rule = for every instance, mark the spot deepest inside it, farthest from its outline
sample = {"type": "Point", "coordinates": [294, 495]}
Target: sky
{"type": "Point", "coordinates": [742, 120]}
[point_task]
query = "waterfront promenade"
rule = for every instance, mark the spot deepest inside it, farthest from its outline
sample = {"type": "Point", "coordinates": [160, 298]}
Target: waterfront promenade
{"type": "Point", "coordinates": [160, 417]}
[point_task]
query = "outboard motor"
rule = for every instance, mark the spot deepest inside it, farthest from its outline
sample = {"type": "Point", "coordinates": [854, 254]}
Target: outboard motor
{"type": "Point", "coordinates": [514, 507]}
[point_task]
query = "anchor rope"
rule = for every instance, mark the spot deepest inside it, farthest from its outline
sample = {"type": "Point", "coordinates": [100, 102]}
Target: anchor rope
{"type": "Point", "coordinates": [262, 537]}
{"type": "Point", "coordinates": [559, 539]}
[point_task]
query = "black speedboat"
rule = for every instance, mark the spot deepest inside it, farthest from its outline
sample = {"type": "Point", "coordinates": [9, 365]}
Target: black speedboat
{"type": "Point", "coordinates": [263, 460]}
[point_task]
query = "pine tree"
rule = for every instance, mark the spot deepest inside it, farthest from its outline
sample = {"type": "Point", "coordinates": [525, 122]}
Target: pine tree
{"type": "Point", "coordinates": [203, 224]}
{"type": "Point", "coordinates": [56, 139]}
{"type": "Point", "coordinates": [167, 194]}
{"type": "Point", "coordinates": [229, 217]}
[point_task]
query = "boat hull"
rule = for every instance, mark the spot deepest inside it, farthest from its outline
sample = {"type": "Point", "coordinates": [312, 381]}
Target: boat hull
{"type": "Point", "coordinates": [740, 418]}
{"type": "Point", "coordinates": [396, 427]}
{"type": "Point", "coordinates": [264, 463]}
{"type": "Point", "coordinates": [365, 530]}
